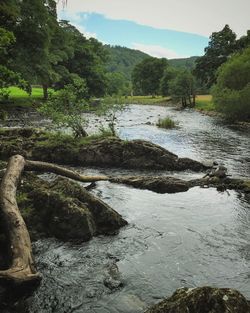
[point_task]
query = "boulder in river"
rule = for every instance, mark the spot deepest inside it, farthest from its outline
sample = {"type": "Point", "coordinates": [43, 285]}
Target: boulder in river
{"type": "Point", "coordinates": [159, 184]}
{"type": "Point", "coordinates": [92, 151]}
{"type": "Point", "coordinates": [203, 300]}
{"type": "Point", "coordinates": [64, 209]}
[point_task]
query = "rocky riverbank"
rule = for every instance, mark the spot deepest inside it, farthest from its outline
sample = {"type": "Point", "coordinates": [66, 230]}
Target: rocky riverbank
{"type": "Point", "coordinates": [92, 151]}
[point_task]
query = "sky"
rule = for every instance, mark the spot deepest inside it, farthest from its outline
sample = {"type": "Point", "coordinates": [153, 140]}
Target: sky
{"type": "Point", "coordinates": [161, 28]}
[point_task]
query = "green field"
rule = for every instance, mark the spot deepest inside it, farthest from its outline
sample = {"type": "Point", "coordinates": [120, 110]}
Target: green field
{"type": "Point", "coordinates": [145, 100]}
{"type": "Point", "coordinates": [204, 103]}
{"type": "Point", "coordinates": [20, 98]}
{"type": "Point", "coordinates": [17, 93]}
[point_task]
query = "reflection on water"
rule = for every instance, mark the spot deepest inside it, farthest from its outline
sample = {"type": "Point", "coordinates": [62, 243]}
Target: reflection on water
{"type": "Point", "coordinates": [200, 237]}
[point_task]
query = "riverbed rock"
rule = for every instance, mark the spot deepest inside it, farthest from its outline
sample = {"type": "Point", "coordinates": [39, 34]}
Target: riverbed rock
{"type": "Point", "coordinates": [102, 152]}
{"type": "Point", "coordinates": [159, 184]}
{"type": "Point", "coordinates": [203, 300]}
{"type": "Point", "coordinates": [65, 210]}
{"type": "Point", "coordinates": [113, 278]}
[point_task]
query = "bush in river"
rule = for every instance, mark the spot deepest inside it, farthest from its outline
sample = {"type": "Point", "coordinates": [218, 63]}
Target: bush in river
{"type": "Point", "coordinates": [167, 123]}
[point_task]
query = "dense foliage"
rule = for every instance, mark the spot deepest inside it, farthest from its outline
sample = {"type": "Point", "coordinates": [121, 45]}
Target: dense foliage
{"type": "Point", "coordinates": [232, 92]}
{"type": "Point", "coordinates": [184, 63]}
{"type": "Point", "coordinates": [221, 46]}
{"type": "Point", "coordinates": [123, 60]}
{"type": "Point", "coordinates": [147, 75]}
{"type": "Point", "coordinates": [47, 52]}
{"type": "Point", "coordinates": [182, 88]}
{"type": "Point", "coordinates": [66, 107]}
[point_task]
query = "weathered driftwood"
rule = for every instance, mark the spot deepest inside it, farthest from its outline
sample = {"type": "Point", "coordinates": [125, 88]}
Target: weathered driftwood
{"type": "Point", "coordinates": [22, 268]}
{"type": "Point", "coordinates": [59, 170]}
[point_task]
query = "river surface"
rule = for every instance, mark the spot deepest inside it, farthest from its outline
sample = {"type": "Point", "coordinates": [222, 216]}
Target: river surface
{"type": "Point", "coordinates": [195, 238]}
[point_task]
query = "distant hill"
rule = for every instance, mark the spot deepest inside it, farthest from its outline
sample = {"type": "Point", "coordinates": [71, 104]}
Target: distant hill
{"type": "Point", "coordinates": [188, 63]}
{"type": "Point", "coordinates": [123, 60]}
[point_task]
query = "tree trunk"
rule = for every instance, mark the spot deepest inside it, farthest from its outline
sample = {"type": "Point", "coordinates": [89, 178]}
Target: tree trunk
{"type": "Point", "coordinates": [49, 167]}
{"type": "Point", "coordinates": [45, 92]}
{"type": "Point", "coordinates": [22, 268]}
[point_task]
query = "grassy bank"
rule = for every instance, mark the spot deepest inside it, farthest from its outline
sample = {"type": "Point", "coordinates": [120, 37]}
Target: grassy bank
{"type": "Point", "coordinates": [20, 98]}
{"type": "Point", "coordinates": [204, 103]}
{"type": "Point", "coordinates": [159, 100]}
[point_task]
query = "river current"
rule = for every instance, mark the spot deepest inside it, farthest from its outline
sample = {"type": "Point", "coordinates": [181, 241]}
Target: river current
{"type": "Point", "coordinates": [195, 238]}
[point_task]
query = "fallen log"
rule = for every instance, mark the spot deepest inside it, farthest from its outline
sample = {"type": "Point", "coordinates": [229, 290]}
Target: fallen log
{"type": "Point", "coordinates": [59, 170]}
{"type": "Point", "coordinates": [22, 268]}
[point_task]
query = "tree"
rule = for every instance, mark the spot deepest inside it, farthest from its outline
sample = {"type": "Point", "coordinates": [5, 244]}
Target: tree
{"type": "Point", "coordinates": [231, 94]}
{"type": "Point", "coordinates": [117, 84]}
{"type": "Point", "coordinates": [168, 75]}
{"type": "Point", "coordinates": [182, 88]}
{"type": "Point", "coordinates": [243, 42]}
{"type": "Point", "coordinates": [221, 45]}
{"type": "Point", "coordinates": [87, 61]}
{"type": "Point", "coordinates": [146, 76]}
{"type": "Point", "coordinates": [7, 76]}
{"type": "Point", "coordinates": [34, 31]}
{"type": "Point", "coordinates": [66, 108]}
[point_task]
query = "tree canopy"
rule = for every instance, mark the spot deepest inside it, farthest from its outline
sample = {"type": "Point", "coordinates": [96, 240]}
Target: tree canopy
{"type": "Point", "coordinates": [48, 52]}
{"type": "Point", "coordinates": [231, 94]}
{"type": "Point", "coordinates": [182, 88]}
{"type": "Point", "coordinates": [146, 76]}
{"type": "Point", "coordinates": [220, 46]}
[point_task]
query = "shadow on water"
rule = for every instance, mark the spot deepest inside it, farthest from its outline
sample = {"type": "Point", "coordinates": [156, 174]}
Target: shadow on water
{"type": "Point", "coordinates": [199, 237]}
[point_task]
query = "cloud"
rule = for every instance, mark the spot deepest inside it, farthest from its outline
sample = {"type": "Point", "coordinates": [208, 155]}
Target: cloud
{"type": "Point", "coordinates": [195, 16]}
{"type": "Point", "coordinates": [76, 19]}
{"type": "Point", "coordinates": [157, 51]}
{"type": "Point", "coordinates": [84, 31]}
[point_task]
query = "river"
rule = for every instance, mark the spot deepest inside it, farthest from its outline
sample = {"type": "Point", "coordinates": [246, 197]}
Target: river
{"type": "Point", "coordinates": [196, 238]}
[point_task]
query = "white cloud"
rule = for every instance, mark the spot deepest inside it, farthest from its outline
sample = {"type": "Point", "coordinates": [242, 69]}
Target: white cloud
{"type": "Point", "coordinates": [195, 16]}
{"type": "Point", "coordinates": [157, 51]}
{"type": "Point", "coordinates": [84, 31]}
{"type": "Point", "coordinates": [75, 19]}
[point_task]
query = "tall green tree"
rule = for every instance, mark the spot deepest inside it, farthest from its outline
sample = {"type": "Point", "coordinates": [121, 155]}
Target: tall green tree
{"type": "Point", "coordinates": [7, 76]}
{"type": "Point", "coordinates": [117, 84]}
{"type": "Point", "coordinates": [221, 45]}
{"type": "Point", "coordinates": [146, 76]}
{"type": "Point", "coordinates": [168, 75]}
{"type": "Point", "coordinates": [182, 88]}
{"type": "Point", "coordinates": [231, 94]}
{"type": "Point", "coordinates": [87, 61]}
{"type": "Point", "coordinates": [33, 34]}
{"type": "Point", "coordinates": [243, 42]}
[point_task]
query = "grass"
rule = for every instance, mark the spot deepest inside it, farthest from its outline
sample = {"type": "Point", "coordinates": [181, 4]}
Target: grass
{"type": "Point", "coordinates": [159, 100]}
{"type": "Point", "coordinates": [20, 98]}
{"type": "Point", "coordinates": [55, 139]}
{"type": "Point", "coordinates": [166, 123]}
{"type": "Point", "coordinates": [205, 103]}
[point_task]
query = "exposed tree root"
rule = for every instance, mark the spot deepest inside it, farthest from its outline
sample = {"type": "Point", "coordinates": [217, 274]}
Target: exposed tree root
{"type": "Point", "coordinates": [22, 268]}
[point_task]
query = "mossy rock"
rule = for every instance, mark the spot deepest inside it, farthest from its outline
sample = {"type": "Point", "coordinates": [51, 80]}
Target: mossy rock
{"type": "Point", "coordinates": [203, 300]}
{"type": "Point", "coordinates": [92, 151]}
{"type": "Point", "coordinates": [65, 210]}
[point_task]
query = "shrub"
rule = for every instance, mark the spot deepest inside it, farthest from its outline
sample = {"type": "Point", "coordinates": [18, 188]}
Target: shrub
{"type": "Point", "coordinates": [232, 92]}
{"type": "Point", "coordinates": [66, 108]}
{"type": "Point", "coordinates": [167, 123]}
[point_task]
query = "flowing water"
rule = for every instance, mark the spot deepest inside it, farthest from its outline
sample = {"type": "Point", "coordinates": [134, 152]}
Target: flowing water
{"type": "Point", "coordinates": [195, 238]}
